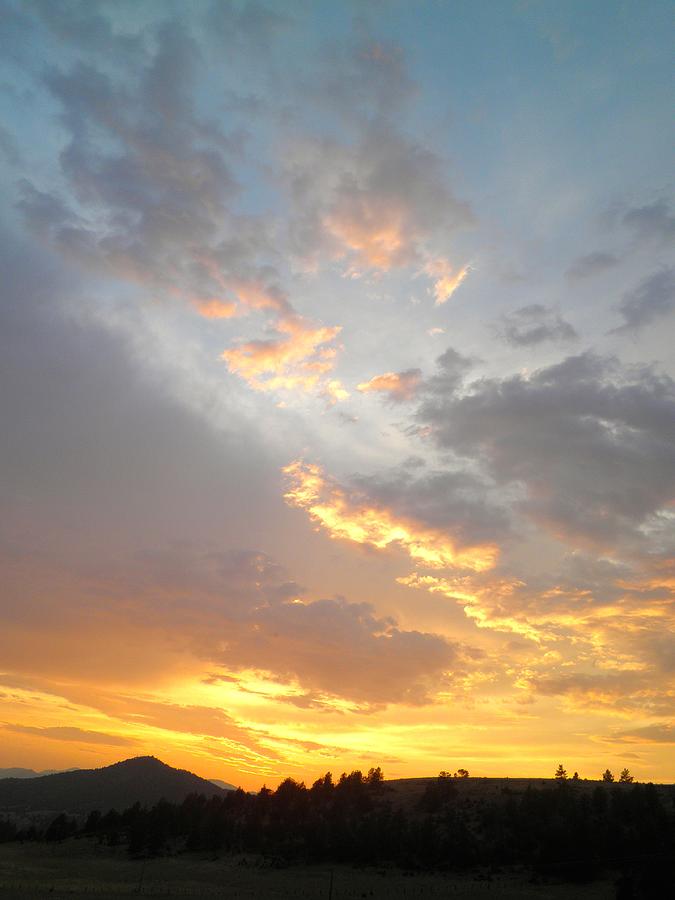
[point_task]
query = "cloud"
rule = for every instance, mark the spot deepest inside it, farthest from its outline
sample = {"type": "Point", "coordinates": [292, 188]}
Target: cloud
{"type": "Point", "coordinates": [151, 201]}
{"type": "Point", "coordinates": [587, 440]}
{"type": "Point", "coordinates": [658, 733]}
{"type": "Point", "coordinates": [446, 279]}
{"type": "Point", "coordinates": [654, 221]}
{"type": "Point", "coordinates": [244, 615]}
{"type": "Point", "coordinates": [298, 361]}
{"type": "Point", "coordinates": [335, 392]}
{"type": "Point", "coordinates": [216, 309]}
{"type": "Point", "coordinates": [534, 324]}
{"type": "Point", "coordinates": [591, 264]}
{"type": "Point", "coordinates": [375, 204]}
{"type": "Point", "coordinates": [354, 516]}
{"type": "Point", "coordinates": [398, 386]}
{"type": "Point", "coordinates": [151, 197]}
{"type": "Point", "coordinates": [651, 300]}
{"type": "Point", "coordinates": [455, 502]}
{"type": "Point", "coordinates": [70, 733]}
{"type": "Point", "coordinates": [363, 79]}
{"type": "Point", "coordinates": [451, 369]}
{"type": "Point", "coordinates": [344, 649]}
{"type": "Point", "coordinates": [591, 625]}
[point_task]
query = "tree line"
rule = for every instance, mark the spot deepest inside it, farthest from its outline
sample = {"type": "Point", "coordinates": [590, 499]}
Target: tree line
{"type": "Point", "coordinates": [562, 831]}
{"type": "Point", "coordinates": [624, 778]}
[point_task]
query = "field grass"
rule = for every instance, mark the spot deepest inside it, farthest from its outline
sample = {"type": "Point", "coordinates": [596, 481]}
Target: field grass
{"type": "Point", "coordinates": [82, 868]}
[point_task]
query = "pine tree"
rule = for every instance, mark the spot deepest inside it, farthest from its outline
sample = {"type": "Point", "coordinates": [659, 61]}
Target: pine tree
{"type": "Point", "coordinates": [560, 773]}
{"type": "Point", "coordinates": [625, 777]}
{"type": "Point", "coordinates": [607, 775]}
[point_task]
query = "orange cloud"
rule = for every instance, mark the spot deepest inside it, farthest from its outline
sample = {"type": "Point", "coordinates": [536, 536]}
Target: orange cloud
{"type": "Point", "coordinates": [216, 309]}
{"type": "Point", "coordinates": [354, 518]}
{"type": "Point", "coordinates": [255, 294]}
{"type": "Point", "coordinates": [485, 617]}
{"type": "Point", "coordinates": [446, 280]}
{"type": "Point", "coordinates": [399, 385]}
{"type": "Point", "coordinates": [295, 362]}
{"type": "Point", "coordinates": [335, 392]}
{"type": "Point", "coordinates": [371, 228]}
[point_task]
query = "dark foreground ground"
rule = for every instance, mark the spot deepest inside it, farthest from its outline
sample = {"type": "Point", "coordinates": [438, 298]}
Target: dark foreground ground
{"type": "Point", "coordinates": [81, 868]}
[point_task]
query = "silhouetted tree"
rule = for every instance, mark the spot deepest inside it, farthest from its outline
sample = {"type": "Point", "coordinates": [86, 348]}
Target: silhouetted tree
{"type": "Point", "coordinates": [61, 828]}
{"type": "Point", "coordinates": [560, 773]}
{"type": "Point", "coordinates": [462, 773]}
{"type": "Point", "coordinates": [7, 830]}
{"type": "Point", "coordinates": [607, 775]}
{"type": "Point", "coordinates": [575, 777]}
{"type": "Point", "coordinates": [625, 777]}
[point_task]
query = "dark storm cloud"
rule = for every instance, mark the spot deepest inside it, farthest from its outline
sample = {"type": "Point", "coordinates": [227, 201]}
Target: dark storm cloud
{"type": "Point", "coordinates": [591, 264]}
{"type": "Point", "coordinates": [591, 441]}
{"type": "Point", "coordinates": [651, 300]}
{"type": "Point", "coordinates": [534, 324]}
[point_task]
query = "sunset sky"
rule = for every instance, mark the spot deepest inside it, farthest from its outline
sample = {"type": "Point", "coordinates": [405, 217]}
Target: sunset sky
{"type": "Point", "coordinates": [336, 381]}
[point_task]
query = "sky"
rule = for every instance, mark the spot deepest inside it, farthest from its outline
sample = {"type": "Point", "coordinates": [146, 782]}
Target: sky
{"type": "Point", "coordinates": [337, 386]}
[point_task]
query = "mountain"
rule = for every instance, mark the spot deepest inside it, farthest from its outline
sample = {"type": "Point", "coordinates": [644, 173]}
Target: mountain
{"type": "Point", "coordinates": [18, 772]}
{"type": "Point", "coordinates": [226, 786]}
{"type": "Point", "coordinates": [143, 779]}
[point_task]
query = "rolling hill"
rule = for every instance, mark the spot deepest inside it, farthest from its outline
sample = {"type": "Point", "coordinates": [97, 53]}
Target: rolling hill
{"type": "Point", "coordinates": [18, 772]}
{"type": "Point", "coordinates": [143, 779]}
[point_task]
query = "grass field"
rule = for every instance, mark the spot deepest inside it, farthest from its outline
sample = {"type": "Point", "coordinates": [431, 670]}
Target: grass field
{"type": "Point", "coordinates": [80, 868]}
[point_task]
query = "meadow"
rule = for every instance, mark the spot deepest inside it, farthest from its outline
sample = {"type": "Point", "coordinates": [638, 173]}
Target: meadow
{"type": "Point", "coordinates": [81, 868]}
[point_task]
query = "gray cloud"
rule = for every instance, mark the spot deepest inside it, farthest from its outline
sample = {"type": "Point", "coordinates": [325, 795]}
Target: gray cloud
{"type": "Point", "coordinates": [654, 221]}
{"type": "Point", "coordinates": [457, 502]}
{"type": "Point", "coordinates": [652, 299]}
{"type": "Point", "coordinates": [246, 613]}
{"type": "Point", "coordinates": [374, 203]}
{"type": "Point", "coordinates": [590, 441]}
{"type": "Point", "coordinates": [344, 649]}
{"type": "Point", "coordinates": [150, 187]}
{"type": "Point", "coordinates": [69, 733]}
{"type": "Point", "coordinates": [362, 79]}
{"type": "Point", "coordinates": [451, 369]}
{"type": "Point", "coordinates": [534, 324]}
{"type": "Point", "coordinates": [591, 264]}
{"type": "Point", "coordinates": [658, 733]}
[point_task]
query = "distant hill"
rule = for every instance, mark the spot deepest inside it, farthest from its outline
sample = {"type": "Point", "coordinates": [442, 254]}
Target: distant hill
{"type": "Point", "coordinates": [18, 772]}
{"type": "Point", "coordinates": [143, 779]}
{"type": "Point", "coordinates": [222, 784]}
